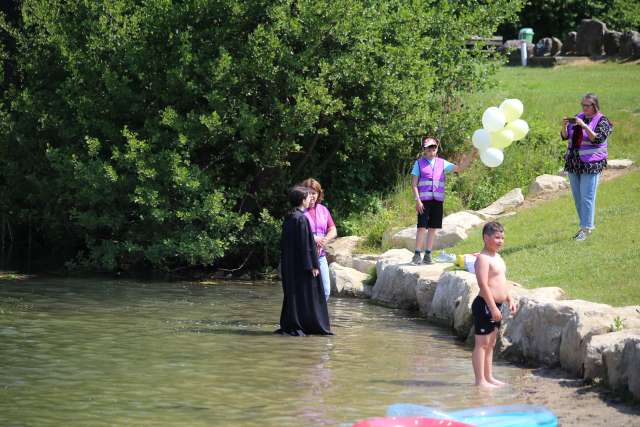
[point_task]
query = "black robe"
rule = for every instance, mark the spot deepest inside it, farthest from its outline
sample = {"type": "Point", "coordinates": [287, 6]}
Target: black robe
{"type": "Point", "coordinates": [304, 308]}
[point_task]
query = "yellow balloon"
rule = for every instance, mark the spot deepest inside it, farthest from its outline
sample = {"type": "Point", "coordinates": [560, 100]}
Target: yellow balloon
{"type": "Point", "coordinates": [512, 109]}
{"type": "Point", "coordinates": [501, 139]}
{"type": "Point", "coordinates": [519, 127]}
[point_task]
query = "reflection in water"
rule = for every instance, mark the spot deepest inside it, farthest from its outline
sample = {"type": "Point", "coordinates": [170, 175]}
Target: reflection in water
{"type": "Point", "coordinates": [78, 352]}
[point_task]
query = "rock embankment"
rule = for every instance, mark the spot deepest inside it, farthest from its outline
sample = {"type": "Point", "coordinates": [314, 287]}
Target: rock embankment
{"type": "Point", "coordinates": [589, 340]}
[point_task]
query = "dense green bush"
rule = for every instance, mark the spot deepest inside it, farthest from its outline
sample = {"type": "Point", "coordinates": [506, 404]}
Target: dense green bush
{"type": "Point", "coordinates": [163, 134]}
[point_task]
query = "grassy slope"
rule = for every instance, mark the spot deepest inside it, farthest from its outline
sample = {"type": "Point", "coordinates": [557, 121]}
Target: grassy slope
{"type": "Point", "coordinates": [539, 250]}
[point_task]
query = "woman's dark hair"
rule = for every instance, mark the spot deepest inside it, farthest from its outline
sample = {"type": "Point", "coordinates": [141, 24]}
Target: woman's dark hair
{"type": "Point", "coordinates": [297, 194]}
{"type": "Point", "coordinates": [594, 99]}
{"type": "Point", "coordinates": [492, 228]}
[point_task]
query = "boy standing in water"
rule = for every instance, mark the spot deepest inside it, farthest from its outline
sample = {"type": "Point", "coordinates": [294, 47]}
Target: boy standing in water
{"type": "Point", "coordinates": [494, 290]}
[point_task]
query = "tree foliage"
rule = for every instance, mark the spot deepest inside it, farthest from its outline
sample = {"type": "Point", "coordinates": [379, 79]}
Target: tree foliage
{"type": "Point", "coordinates": [559, 17]}
{"type": "Point", "coordinates": [161, 134]}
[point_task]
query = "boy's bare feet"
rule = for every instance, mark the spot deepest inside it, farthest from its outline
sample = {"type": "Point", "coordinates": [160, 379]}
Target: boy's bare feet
{"type": "Point", "coordinates": [486, 384]}
{"type": "Point", "coordinates": [496, 382]}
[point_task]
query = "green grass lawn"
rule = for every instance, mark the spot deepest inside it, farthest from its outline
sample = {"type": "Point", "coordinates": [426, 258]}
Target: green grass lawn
{"type": "Point", "coordinates": [605, 268]}
{"type": "Point", "coordinates": [539, 251]}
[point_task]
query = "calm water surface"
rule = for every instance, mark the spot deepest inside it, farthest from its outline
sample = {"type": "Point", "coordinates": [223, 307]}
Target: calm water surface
{"type": "Point", "coordinates": [90, 353]}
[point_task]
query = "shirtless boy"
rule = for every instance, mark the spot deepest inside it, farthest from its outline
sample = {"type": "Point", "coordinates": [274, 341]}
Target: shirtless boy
{"type": "Point", "coordinates": [494, 291]}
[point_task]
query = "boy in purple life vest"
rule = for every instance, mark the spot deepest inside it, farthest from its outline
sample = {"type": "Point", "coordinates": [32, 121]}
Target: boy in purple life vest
{"type": "Point", "coordinates": [428, 181]}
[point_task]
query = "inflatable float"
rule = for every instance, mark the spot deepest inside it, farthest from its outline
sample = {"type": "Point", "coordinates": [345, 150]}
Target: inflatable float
{"type": "Point", "coordinates": [489, 416]}
{"type": "Point", "coordinates": [409, 422]}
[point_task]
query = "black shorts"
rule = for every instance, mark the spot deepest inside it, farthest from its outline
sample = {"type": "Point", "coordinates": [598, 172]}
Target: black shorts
{"type": "Point", "coordinates": [482, 322]}
{"type": "Point", "coordinates": [431, 216]}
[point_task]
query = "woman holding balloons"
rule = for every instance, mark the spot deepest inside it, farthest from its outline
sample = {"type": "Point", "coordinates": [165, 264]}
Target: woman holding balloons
{"type": "Point", "coordinates": [587, 134]}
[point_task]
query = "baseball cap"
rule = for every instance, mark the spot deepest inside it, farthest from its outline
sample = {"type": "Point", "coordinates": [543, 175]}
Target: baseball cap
{"type": "Point", "coordinates": [429, 141]}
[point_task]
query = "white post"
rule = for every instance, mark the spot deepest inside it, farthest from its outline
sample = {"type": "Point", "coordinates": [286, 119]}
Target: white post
{"type": "Point", "coordinates": [523, 52]}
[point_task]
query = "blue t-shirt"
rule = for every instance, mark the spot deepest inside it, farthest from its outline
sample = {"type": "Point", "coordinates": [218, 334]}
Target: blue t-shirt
{"type": "Point", "coordinates": [448, 166]}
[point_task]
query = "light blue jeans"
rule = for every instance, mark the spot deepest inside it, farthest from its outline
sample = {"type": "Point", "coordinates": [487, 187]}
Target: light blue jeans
{"type": "Point", "coordinates": [324, 273]}
{"type": "Point", "coordinates": [584, 187]}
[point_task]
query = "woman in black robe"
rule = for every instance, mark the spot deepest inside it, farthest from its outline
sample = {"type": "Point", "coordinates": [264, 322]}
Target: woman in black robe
{"type": "Point", "coordinates": [304, 308]}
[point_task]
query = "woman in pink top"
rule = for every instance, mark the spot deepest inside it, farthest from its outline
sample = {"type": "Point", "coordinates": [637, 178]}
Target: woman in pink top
{"type": "Point", "coordinates": [323, 228]}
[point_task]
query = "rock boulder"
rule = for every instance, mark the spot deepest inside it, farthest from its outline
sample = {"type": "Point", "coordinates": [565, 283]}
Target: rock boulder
{"type": "Point", "coordinates": [630, 44]}
{"type": "Point", "coordinates": [590, 37]}
{"type": "Point", "coordinates": [611, 42]}
{"type": "Point", "coordinates": [341, 249]}
{"type": "Point", "coordinates": [346, 281]}
{"type": "Point", "coordinates": [547, 184]}
{"type": "Point", "coordinates": [504, 204]}
{"type": "Point", "coordinates": [570, 44]}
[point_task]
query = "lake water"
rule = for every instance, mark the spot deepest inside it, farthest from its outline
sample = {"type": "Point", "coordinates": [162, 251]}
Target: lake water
{"type": "Point", "coordinates": [93, 352]}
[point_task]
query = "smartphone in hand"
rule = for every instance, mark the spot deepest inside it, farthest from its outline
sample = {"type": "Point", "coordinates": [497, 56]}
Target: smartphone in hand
{"type": "Point", "coordinates": [572, 120]}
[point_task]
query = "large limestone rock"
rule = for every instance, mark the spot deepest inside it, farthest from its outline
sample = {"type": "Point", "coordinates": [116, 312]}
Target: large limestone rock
{"type": "Point", "coordinates": [590, 38]}
{"type": "Point", "coordinates": [346, 281]}
{"type": "Point", "coordinates": [396, 286]}
{"type": "Point", "coordinates": [400, 284]}
{"type": "Point", "coordinates": [341, 249]}
{"type": "Point", "coordinates": [619, 163]}
{"type": "Point", "coordinates": [588, 319]}
{"type": "Point", "coordinates": [559, 332]}
{"type": "Point", "coordinates": [364, 263]}
{"type": "Point", "coordinates": [611, 42]}
{"type": "Point", "coordinates": [504, 204]}
{"type": "Point", "coordinates": [556, 46]}
{"type": "Point", "coordinates": [570, 44]}
{"type": "Point", "coordinates": [598, 345]}
{"type": "Point", "coordinates": [535, 331]}
{"type": "Point", "coordinates": [547, 184]}
{"type": "Point", "coordinates": [623, 370]}
{"type": "Point", "coordinates": [543, 47]}
{"type": "Point", "coordinates": [620, 360]}
{"type": "Point", "coordinates": [454, 229]}
{"type": "Point", "coordinates": [549, 293]}
{"type": "Point", "coordinates": [630, 44]}
{"type": "Point", "coordinates": [548, 46]}
{"type": "Point", "coordinates": [451, 305]}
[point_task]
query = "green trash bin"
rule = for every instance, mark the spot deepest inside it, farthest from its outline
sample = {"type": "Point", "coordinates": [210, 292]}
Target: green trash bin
{"type": "Point", "coordinates": [526, 34]}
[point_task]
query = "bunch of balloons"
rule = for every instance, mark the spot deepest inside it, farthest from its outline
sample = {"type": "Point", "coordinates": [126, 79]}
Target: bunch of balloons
{"type": "Point", "coordinates": [501, 126]}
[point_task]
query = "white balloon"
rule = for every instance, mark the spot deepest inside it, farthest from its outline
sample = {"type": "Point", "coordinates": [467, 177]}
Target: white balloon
{"type": "Point", "coordinates": [481, 139]}
{"type": "Point", "coordinates": [512, 109]}
{"type": "Point", "coordinates": [502, 139]}
{"type": "Point", "coordinates": [492, 157]}
{"type": "Point", "coordinates": [519, 127]}
{"type": "Point", "coordinates": [493, 119]}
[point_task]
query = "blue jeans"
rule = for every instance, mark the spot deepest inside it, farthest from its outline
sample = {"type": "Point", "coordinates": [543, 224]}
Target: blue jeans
{"type": "Point", "coordinates": [584, 187]}
{"type": "Point", "coordinates": [324, 273]}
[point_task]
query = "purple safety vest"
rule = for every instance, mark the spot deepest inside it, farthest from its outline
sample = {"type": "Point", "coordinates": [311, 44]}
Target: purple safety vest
{"type": "Point", "coordinates": [431, 181]}
{"type": "Point", "coordinates": [589, 152]}
{"type": "Point", "coordinates": [319, 223]}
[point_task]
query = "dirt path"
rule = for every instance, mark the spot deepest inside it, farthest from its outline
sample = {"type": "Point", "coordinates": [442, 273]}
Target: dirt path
{"type": "Point", "coordinates": [574, 402]}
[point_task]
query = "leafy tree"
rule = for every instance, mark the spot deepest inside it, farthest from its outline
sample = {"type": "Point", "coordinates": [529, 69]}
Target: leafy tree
{"type": "Point", "coordinates": [558, 17]}
{"type": "Point", "coordinates": [163, 134]}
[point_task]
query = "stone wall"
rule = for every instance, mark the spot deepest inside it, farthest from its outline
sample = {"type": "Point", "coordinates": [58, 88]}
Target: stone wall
{"type": "Point", "coordinates": [579, 336]}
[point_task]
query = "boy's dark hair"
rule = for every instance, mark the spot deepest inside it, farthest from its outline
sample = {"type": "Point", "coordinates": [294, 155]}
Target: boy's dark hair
{"type": "Point", "coordinates": [492, 228]}
{"type": "Point", "coordinates": [297, 194]}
